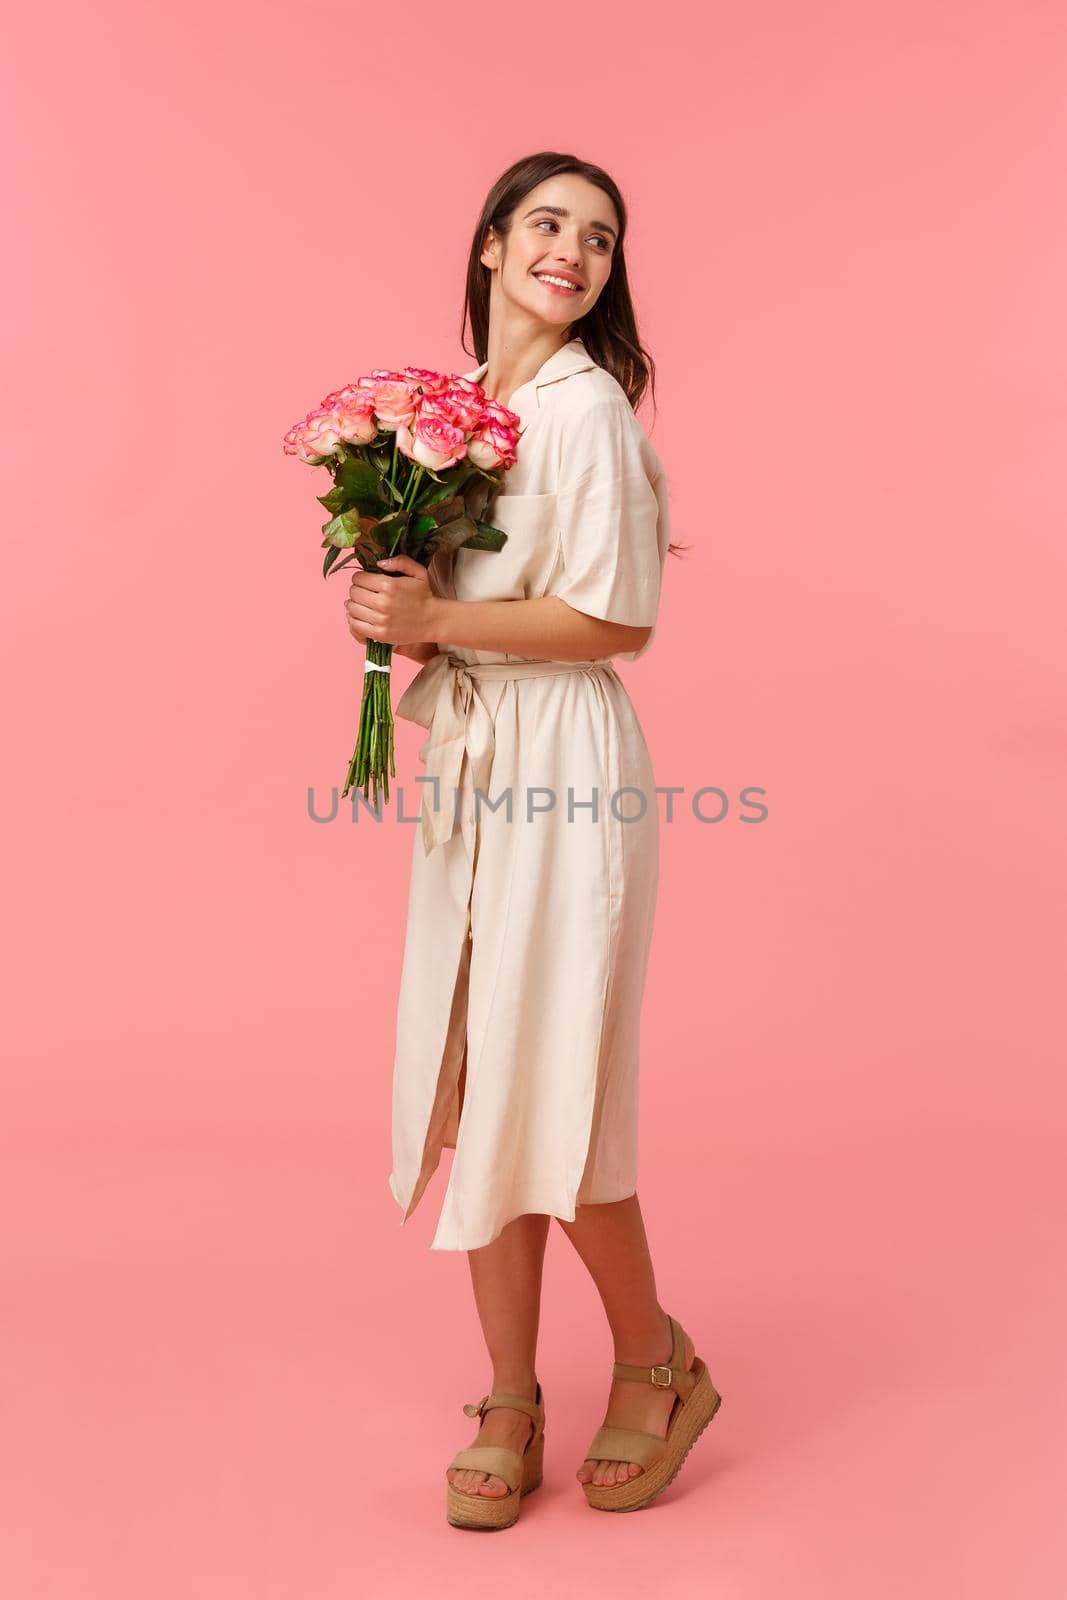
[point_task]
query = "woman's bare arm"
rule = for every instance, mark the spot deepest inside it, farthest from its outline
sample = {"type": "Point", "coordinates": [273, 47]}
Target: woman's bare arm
{"type": "Point", "coordinates": [416, 652]}
{"type": "Point", "coordinates": [546, 628]}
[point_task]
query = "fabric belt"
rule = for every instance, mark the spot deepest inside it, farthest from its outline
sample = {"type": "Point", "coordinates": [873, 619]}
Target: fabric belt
{"type": "Point", "coordinates": [444, 698]}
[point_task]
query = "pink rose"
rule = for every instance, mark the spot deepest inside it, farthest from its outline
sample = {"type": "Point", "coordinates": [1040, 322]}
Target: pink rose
{"type": "Point", "coordinates": [430, 382]}
{"type": "Point", "coordinates": [435, 443]}
{"type": "Point", "coordinates": [493, 446]}
{"type": "Point", "coordinates": [468, 387]}
{"type": "Point", "coordinates": [359, 423]}
{"type": "Point", "coordinates": [379, 376]}
{"type": "Point", "coordinates": [510, 419]}
{"type": "Point", "coordinates": [339, 396]}
{"type": "Point", "coordinates": [469, 410]}
{"type": "Point", "coordinates": [446, 409]}
{"type": "Point", "coordinates": [395, 403]}
{"type": "Point", "coordinates": [293, 445]}
{"type": "Point", "coordinates": [316, 438]}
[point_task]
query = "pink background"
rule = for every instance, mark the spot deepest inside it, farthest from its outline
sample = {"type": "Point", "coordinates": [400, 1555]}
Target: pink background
{"type": "Point", "coordinates": [228, 1374]}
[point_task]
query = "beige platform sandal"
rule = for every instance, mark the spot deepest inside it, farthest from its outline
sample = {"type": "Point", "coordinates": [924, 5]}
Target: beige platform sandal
{"type": "Point", "coordinates": [696, 1403]}
{"type": "Point", "coordinates": [521, 1473]}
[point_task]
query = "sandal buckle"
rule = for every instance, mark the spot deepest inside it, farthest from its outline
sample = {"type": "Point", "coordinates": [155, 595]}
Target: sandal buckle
{"type": "Point", "coordinates": [666, 1380]}
{"type": "Point", "coordinates": [472, 1410]}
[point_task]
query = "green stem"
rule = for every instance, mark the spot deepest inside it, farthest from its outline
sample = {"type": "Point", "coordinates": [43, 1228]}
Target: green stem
{"type": "Point", "coordinates": [412, 489]}
{"type": "Point", "coordinates": [373, 758]}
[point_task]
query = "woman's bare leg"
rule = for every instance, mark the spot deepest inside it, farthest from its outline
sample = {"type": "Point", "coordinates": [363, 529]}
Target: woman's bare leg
{"type": "Point", "coordinates": [611, 1241]}
{"type": "Point", "coordinates": [507, 1291]}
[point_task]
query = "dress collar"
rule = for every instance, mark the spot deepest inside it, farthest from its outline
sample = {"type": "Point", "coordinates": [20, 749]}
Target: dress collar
{"type": "Point", "coordinates": [563, 363]}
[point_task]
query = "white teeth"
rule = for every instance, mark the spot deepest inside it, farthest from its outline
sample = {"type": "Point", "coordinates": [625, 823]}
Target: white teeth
{"type": "Point", "coordinates": [547, 277]}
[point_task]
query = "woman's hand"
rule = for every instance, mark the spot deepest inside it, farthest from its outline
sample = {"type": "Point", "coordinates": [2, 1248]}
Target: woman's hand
{"type": "Point", "coordinates": [395, 606]}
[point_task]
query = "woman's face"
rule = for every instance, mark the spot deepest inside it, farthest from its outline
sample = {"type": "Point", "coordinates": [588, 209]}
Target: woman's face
{"type": "Point", "coordinates": [564, 228]}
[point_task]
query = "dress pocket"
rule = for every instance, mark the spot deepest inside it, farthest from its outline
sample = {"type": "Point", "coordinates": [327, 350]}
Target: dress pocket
{"type": "Point", "coordinates": [521, 570]}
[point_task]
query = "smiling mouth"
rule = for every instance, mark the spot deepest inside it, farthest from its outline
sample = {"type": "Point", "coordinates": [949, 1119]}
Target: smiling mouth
{"type": "Point", "coordinates": [561, 285]}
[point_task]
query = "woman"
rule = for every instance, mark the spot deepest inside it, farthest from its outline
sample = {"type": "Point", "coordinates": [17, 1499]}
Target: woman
{"type": "Point", "coordinates": [530, 917]}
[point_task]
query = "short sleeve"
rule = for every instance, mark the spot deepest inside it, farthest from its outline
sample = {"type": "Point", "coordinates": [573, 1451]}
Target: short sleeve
{"type": "Point", "coordinates": [612, 516]}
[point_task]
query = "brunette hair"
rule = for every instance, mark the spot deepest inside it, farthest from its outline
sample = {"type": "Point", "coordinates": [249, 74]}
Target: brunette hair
{"type": "Point", "coordinates": [609, 330]}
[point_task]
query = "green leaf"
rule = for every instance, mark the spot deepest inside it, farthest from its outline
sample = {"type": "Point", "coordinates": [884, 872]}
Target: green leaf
{"type": "Point", "coordinates": [487, 538]}
{"type": "Point", "coordinates": [451, 535]}
{"type": "Point", "coordinates": [420, 526]}
{"type": "Point", "coordinates": [478, 495]}
{"type": "Point", "coordinates": [342, 531]}
{"type": "Point", "coordinates": [358, 476]}
{"type": "Point", "coordinates": [449, 486]}
{"type": "Point", "coordinates": [364, 488]}
{"type": "Point", "coordinates": [340, 565]}
{"type": "Point", "coordinates": [387, 536]}
{"type": "Point", "coordinates": [337, 500]}
{"type": "Point", "coordinates": [464, 532]}
{"type": "Point", "coordinates": [447, 509]}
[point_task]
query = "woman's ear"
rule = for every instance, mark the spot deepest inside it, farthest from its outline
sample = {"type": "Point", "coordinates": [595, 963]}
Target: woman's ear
{"type": "Point", "coordinates": [490, 248]}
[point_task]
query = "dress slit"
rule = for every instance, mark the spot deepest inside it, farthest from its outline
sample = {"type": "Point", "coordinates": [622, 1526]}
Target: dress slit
{"type": "Point", "coordinates": [442, 1129]}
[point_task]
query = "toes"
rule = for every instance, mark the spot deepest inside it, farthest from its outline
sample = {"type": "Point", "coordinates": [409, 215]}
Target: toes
{"type": "Point", "coordinates": [467, 1481]}
{"type": "Point", "coordinates": [606, 1474]}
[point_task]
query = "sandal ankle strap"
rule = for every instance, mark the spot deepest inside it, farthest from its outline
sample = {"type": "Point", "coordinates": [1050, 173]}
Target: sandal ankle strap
{"type": "Point", "coordinates": [516, 1402]}
{"type": "Point", "coordinates": [674, 1375]}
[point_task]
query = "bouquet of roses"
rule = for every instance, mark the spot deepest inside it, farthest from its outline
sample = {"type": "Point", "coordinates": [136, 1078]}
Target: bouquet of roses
{"type": "Point", "coordinates": [414, 456]}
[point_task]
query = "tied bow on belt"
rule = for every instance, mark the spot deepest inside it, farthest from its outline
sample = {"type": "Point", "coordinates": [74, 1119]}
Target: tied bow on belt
{"type": "Point", "coordinates": [444, 698]}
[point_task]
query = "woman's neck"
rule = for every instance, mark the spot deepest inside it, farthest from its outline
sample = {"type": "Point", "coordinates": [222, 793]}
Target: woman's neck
{"type": "Point", "coordinates": [514, 361]}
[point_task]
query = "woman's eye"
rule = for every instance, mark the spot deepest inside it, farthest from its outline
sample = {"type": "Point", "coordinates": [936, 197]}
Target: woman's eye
{"type": "Point", "coordinates": [552, 224]}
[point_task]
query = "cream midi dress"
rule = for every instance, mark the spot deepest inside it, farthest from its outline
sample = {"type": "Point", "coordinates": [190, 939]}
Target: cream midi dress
{"type": "Point", "coordinates": [529, 918]}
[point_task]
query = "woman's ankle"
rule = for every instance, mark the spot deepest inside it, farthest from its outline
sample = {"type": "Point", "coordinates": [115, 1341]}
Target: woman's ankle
{"type": "Point", "coordinates": [515, 1382]}
{"type": "Point", "coordinates": [652, 1341]}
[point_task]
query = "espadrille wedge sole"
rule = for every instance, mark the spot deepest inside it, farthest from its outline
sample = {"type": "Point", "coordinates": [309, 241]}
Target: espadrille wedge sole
{"type": "Point", "coordinates": [521, 1472]}
{"type": "Point", "coordinates": [661, 1459]}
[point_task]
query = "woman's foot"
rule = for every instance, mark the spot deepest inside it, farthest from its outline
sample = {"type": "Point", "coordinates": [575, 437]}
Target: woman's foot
{"type": "Point", "coordinates": [636, 1405]}
{"type": "Point", "coordinates": [501, 1426]}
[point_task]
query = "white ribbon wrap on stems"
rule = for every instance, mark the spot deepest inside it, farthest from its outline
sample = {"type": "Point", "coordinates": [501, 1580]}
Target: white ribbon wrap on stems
{"type": "Point", "coordinates": [376, 666]}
